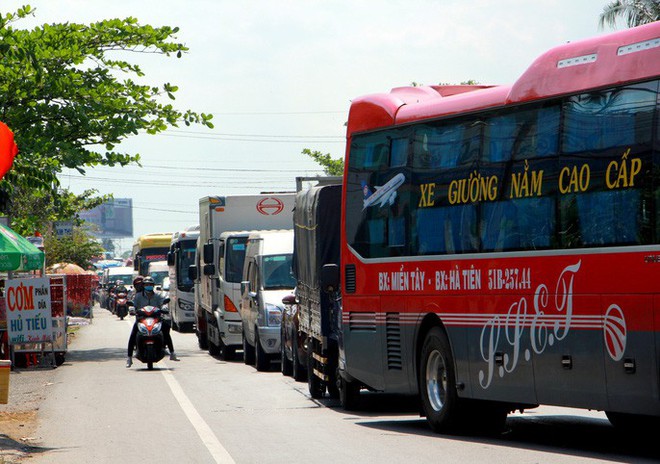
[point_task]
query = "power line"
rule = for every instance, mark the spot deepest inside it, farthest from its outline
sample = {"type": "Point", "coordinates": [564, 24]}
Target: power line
{"type": "Point", "coordinates": [276, 113]}
{"type": "Point", "coordinates": [143, 182]}
{"type": "Point", "coordinates": [212, 137]}
{"type": "Point", "coordinates": [219, 134]}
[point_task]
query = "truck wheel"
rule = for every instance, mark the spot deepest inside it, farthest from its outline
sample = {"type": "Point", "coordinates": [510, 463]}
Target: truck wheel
{"type": "Point", "coordinates": [227, 352]}
{"type": "Point", "coordinates": [202, 341]}
{"type": "Point", "coordinates": [262, 362]}
{"type": "Point", "coordinates": [333, 387]}
{"type": "Point", "coordinates": [349, 393]}
{"type": "Point", "coordinates": [287, 366]}
{"type": "Point", "coordinates": [299, 371]}
{"type": "Point", "coordinates": [214, 350]}
{"type": "Point", "coordinates": [248, 352]}
{"type": "Point", "coordinates": [437, 383]}
{"type": "Point", "coordinates": [315, 385]}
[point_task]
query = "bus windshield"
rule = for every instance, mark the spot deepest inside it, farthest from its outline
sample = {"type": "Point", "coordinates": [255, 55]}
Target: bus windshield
{"type": "Point", "coordinates": [276, 270]}
{"type": "Point", "coordinates": [185, 259]}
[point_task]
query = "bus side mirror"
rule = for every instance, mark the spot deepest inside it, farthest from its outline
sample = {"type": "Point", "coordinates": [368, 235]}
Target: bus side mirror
{"type": "Point", "coordinates": [209, 269]}
{"type": "Point", "coordinates": [208, 253]}
{"type": "Point", "coordinates": [289, 300]}
{"type": "Point", "coordinates": [330, 278]}
{"type": "Point", "coordinates": [192, 272]}
{"type": "Point", "coordinates": [170, 258]}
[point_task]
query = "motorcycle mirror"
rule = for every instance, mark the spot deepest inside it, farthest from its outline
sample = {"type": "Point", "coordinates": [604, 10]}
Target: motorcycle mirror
{"type": "Point", "coordinates": [166, 300]}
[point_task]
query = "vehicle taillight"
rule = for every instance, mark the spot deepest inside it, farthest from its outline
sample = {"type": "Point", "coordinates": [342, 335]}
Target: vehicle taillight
{"type": "Point", "coordinates": [229, 305]}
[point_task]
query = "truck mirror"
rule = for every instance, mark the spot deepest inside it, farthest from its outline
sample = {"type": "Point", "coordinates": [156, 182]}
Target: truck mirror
{"type": "Point", "coordinates": [209, 269]}
{"type": "Point", "coordinates": [330, 278]}
{"type": "Point", "coordinates": [192, 272]}
{"type": "Point", "coordinates": [208, 253]}
{"type": "Point", "coordinates": [170, 258]}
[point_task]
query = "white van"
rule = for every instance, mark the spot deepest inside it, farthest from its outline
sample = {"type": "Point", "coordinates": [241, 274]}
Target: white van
{"type": "Point", "coordinates": [158, 270]}
{"type": "Point", "coordinates": [267, 278]}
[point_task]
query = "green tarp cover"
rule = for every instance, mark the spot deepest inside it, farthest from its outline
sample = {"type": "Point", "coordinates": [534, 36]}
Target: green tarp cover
{"type": "Point", "coordinates": [17, 253]}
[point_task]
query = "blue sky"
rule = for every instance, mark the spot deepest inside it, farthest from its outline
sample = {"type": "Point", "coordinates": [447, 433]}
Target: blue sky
{"type": "Point", "coordinates": [279, 77]}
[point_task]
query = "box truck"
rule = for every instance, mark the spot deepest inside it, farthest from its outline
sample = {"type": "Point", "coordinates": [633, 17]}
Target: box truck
{"type": "Point", "coordinates": [218, 322]}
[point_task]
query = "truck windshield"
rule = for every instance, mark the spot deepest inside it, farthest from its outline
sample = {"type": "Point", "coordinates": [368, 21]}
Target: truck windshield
{"type": "Point", "coordinates": [234, 259]}
{"type": "Point", "coordinates": [276, 270]}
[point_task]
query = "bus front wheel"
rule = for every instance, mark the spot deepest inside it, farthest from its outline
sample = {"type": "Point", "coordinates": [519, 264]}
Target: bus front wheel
{"type": "Point", "coordinates": [437, 381]}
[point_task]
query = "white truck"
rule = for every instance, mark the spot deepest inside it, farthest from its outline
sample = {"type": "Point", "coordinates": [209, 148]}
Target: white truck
{"type": "Point", "coordinates": [218, 322]}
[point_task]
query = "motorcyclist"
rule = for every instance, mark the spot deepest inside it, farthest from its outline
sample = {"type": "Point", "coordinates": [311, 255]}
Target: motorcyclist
{"type": "Point", "coordinates": [149, 297]}
{"type": "Point", "coordinates": [120, 287]}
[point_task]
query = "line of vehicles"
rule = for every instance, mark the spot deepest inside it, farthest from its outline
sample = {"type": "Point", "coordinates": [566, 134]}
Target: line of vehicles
{"type": "Point", "coordinates": [471, 255]}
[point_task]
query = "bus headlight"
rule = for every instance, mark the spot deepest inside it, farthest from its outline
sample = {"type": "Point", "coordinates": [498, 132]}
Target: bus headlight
{"type": "Point", "coordinates": [274, 314]}
{"type": "Point", "coordinates": [186, 306]}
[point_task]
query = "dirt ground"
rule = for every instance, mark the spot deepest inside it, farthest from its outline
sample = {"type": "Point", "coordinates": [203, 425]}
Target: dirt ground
{"type": "Point", "coordinates": [28, 387]}
{"type": "Point", "coordinates": [18, 419]}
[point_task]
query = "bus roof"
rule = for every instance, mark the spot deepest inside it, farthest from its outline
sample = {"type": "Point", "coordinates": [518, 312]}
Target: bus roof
{"type": "Point", "coordinates": [154, 240]}
{"type": "Point", "coordinates": [623, 56]}
{"type": "Point", "coordinates": [190, 233]}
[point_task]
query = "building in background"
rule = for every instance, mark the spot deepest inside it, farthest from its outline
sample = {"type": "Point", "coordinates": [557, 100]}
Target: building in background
{"type": "Point", "coordinates": [113, 219]}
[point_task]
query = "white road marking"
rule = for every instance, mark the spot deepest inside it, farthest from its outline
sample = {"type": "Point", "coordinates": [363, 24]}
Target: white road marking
{"type": "Point", "coordinates": [205, 433]}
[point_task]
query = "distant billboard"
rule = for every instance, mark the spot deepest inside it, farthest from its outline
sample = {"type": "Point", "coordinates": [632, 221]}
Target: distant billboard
{"type": "Point", "coordinates": [113, 219]}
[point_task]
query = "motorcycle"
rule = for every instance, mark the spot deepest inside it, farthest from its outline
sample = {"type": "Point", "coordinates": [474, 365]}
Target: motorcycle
{"type": "Point", "coordinates": [121, 305]}
{"type": "Point", "coordinates": [150, 342]}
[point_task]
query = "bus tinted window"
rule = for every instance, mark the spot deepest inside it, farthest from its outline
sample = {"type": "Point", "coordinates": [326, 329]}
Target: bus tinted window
{"type": "Point", "coordinates": [504, 182]}
{"type": "Point", "coordinates": [446, 146]}
{"type": "Point", "coordinates": [609, 118]}
{"type": "Point", "coordinates": [522, 134]}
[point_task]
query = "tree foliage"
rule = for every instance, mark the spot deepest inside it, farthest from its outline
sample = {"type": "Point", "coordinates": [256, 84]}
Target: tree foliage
{"type": "Point", "coordinates": [70, 94]}
{"type": "Point", "coordinates": [632, 12]}
{"type": "Point", "coordinates": [78, 248]}
{"type": "Point", "coordinates": [330, 165]}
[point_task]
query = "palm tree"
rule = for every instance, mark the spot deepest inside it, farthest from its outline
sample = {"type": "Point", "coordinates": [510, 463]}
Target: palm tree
{"type": "Point", "coordinates": [633, 12]}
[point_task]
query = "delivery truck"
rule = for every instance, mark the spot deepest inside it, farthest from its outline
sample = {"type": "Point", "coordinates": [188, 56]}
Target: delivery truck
{"type": "Point", "coordinates": [218, 322]}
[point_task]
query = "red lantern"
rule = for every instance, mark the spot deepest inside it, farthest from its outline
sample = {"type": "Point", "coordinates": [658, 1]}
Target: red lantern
{"type": "Point", "coordinates": [8, 149]}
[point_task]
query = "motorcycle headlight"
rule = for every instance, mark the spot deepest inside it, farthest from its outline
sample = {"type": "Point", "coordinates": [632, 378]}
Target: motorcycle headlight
{"type": "Point", "coordinates": [273, 314]}
{"type": "Point", "coordinates": [143, 329]}
{"type": "Point", "coordinates": [156, 329]}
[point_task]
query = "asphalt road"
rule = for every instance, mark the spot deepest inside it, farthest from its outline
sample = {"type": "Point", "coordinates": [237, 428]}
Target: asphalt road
{"type": "Point", "coordinates": [205, 410]}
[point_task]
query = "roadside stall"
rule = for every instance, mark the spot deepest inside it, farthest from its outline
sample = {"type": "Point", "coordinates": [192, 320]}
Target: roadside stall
{"type": "Point", "coordinates": [25, 311]}
{"type": "Point", "coordinates": [80, 285]}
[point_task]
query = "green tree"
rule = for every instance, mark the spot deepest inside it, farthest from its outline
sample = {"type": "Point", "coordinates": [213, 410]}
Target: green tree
{"type": "Point", "coordinates": [632, 12]}
{"type": "Point", "coordinates": [36, 209]}
{"type": "Point", "coordinates": [330, 165]}
{"type": "Point", "coordinates": [78, 248]}
{"type": "Point", "coordinates": [70, 94]}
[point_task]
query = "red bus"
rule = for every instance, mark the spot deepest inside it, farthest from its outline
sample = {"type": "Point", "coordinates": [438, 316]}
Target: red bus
{"type": "Point", "coordinates": [501, 244]}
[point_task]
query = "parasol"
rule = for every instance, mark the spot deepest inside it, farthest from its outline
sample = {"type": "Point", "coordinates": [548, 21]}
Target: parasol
{"type": "Point", "coordinates": [65, 268]}
{"type": "Point", "coordinates": [17, 254]}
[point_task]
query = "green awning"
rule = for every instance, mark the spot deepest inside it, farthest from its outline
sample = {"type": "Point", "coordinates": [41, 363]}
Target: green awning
{"type": "Point", "coordinates": [17, 253]}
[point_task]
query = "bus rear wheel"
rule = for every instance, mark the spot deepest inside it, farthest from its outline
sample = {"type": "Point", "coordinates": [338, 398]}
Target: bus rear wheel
{"type": "Point", "coordinates": [437, 382]}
